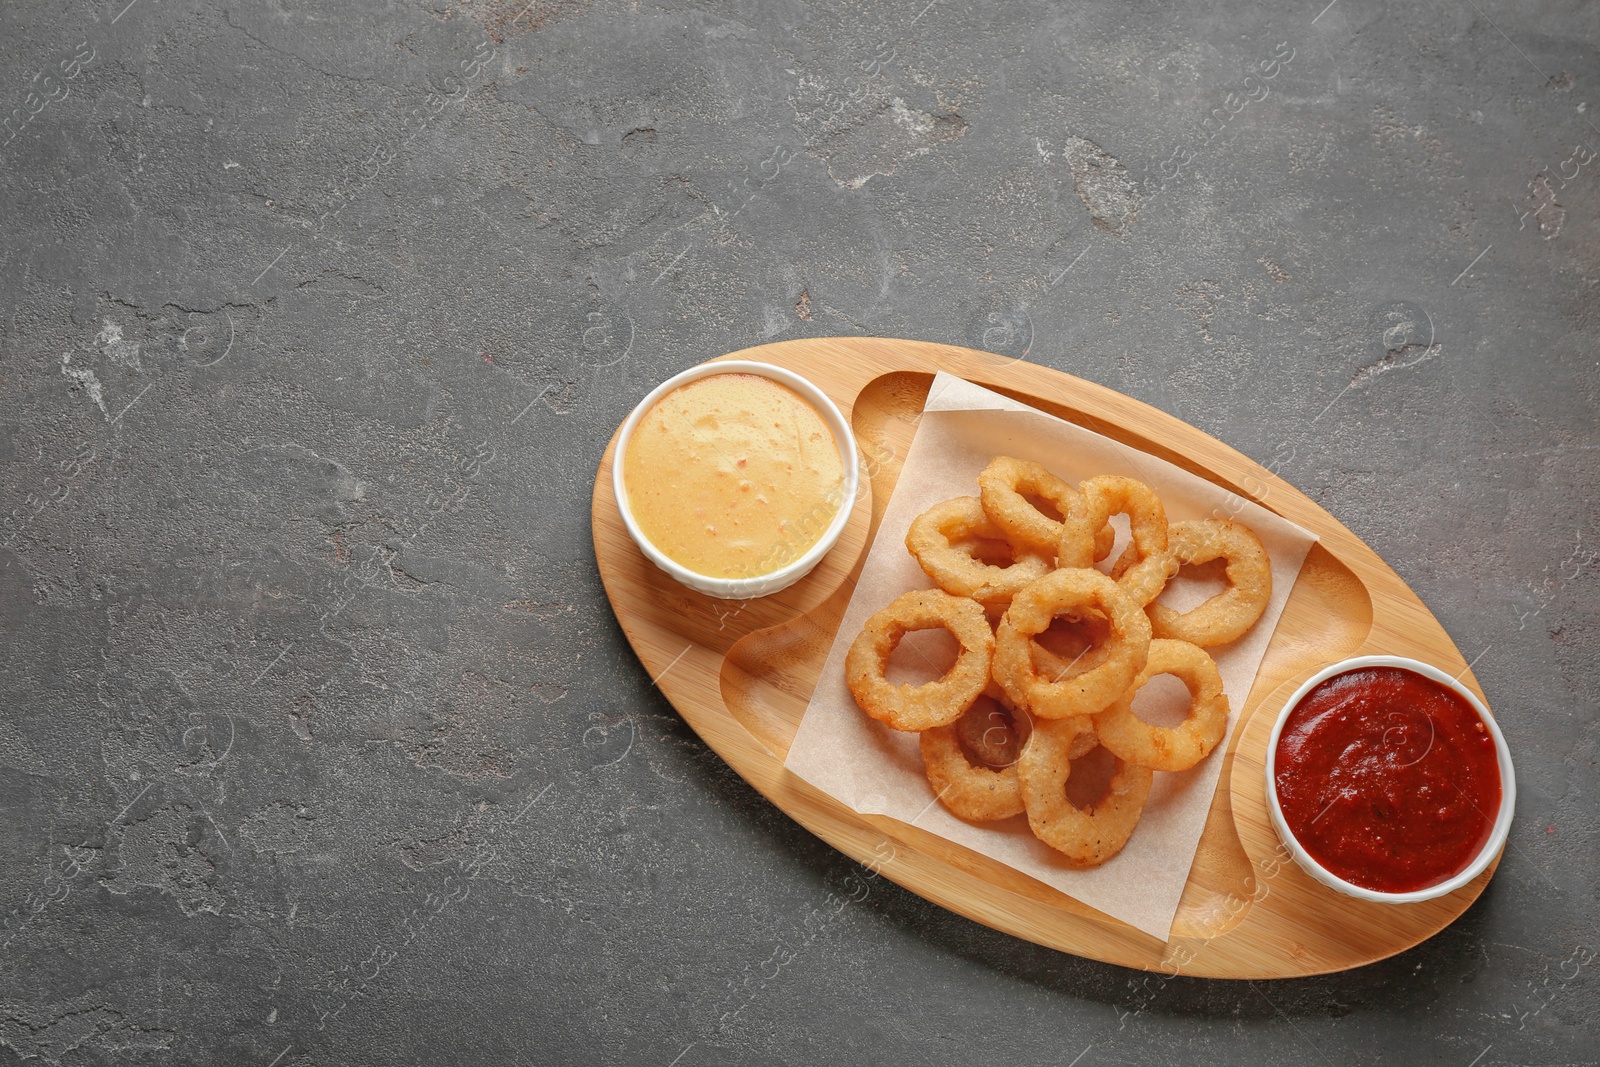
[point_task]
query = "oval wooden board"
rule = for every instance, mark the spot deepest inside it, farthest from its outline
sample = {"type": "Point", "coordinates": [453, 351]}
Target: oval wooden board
{"type": "Point", "coordinates": [741, 675]}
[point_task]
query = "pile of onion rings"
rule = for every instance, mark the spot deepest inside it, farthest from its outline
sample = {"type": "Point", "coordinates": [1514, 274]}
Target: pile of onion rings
{"type": "Point", "coordinates": [1053, 650]}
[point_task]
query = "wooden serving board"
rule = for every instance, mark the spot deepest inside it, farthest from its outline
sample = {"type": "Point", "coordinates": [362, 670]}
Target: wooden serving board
{"type": "Point", "coordinates": [741, 675]}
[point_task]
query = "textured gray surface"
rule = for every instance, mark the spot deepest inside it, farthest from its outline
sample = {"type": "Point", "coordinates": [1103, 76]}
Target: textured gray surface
{"type": "Point", "coordinates": [319, 742]}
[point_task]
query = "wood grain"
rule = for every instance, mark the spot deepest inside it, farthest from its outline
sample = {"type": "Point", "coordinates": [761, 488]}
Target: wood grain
{"type": "Point", "coordinates": [741, 674]}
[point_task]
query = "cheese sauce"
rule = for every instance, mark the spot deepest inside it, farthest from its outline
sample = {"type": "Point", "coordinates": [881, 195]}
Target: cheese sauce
{"type": "Point", "coordinates": [733, 476]}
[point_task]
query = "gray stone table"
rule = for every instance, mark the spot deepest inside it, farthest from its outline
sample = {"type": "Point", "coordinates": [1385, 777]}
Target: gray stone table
{"type": "Point", "coordinates": [320, 744]}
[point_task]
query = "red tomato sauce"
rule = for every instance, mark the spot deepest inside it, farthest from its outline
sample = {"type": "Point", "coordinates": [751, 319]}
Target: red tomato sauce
{"type": "Point", "coordinates": [1388, 779]}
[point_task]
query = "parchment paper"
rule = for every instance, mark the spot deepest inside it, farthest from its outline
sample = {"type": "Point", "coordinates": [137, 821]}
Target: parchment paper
{"type": "Point", "coordinates": [876, 770]}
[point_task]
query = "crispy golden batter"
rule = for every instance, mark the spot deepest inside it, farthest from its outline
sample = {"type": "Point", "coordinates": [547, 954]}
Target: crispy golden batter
{"type": "Point", "coordinates": [1002, 486]}
{"type": "Point", "coordinates": [1230, 614]}
{"type": "Point", "coordinates": [1108, 495]}
{"type": "Point", "coordinates": [1086, 836]}
{"type": "Point", "coordinates": [941, 539]}
{"type": "Point", "coordinates": [1071, 646]}
{"type": "Point", "coordinates": [972, 763]}
{"type": "Point", "coordinates": [1061, 592]}
{"type": "Point", "coordinates": [920, 707]}
{"type": "Point", "coordinates": [1169, 748]}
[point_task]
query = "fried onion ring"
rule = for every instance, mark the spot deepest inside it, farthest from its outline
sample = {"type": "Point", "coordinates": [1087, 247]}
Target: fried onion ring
{"type": "Point", "coordinates": [993, 731]}
{"type": "Point", "coordinates": [934, 539]}
{"type": "Point", "coordinates": [1100, 498]}
{"type": "Point", "coordinates": [1086, 836]}
{"type": "Point", "coordinates": [1169, 748]}
{"type": "Point", "coordinates": [920, 707]}
{"type": "Point", "coordinates": [1065, 651]}
{"type": "Point", "coordinates": [1066, 592]}
{"type": "Point", "coordinates": [972, 762]}
{"type": "Point", "coordinates": [1001, 487]}
{"type": "Point", "coordinates": [1085, 743]}
{"type": "Point", "coordinates": [1228, 615]}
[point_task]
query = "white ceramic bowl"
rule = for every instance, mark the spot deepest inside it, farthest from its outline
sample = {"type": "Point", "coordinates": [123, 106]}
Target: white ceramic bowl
{"type": "Point", "coordinates": [1508, 785]}
{"type": "Point", "coordinates": [783, 577]}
